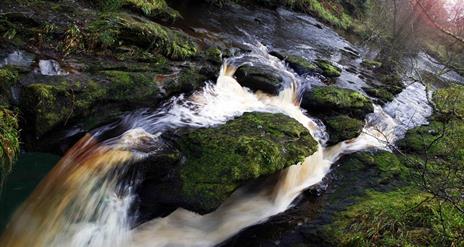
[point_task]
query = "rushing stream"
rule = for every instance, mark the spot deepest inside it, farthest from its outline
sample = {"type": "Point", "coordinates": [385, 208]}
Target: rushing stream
{"type": "Point", "coordinates": [84, 201]}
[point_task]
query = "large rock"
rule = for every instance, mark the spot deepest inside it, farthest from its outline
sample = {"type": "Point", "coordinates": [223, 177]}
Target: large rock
{"type": "Point", "coordinates": [262, 78]}
{"type": "Point", "coordinates": [342, 128]}
{"type": "Point", "coordinates": [332, 100]}
{"type": "Point", "coordinates": [206, 165]}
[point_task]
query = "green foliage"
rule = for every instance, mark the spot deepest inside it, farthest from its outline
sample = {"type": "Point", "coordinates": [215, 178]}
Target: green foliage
{"type": "Point", "coordinates": [403, 217]}
{"type": "Point", "coordinates": [450, 100]}
{"type": "Point", "coordinates": [326, 10]}
{"type": "Point", "coordinates": [218, 160]}
{"type": "Point", "coordinates": [9, 141]}
{"type": "Point", "coordinates": [8, 78]}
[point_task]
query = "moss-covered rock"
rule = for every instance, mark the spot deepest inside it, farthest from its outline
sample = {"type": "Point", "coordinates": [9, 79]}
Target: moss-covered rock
{"type": "Point", "coordinates": [332, 100]}
{"type": "Point", "coordinates": [214, 55]}
{"type": "Point", "coordinates": [9, 141]}
{"type": "Point", "coordinates": [216, 161]}
{"type": "Point", "coordinates": [261, 78]}
{"type": "Point", "coordinates": [299, 64]}
{"type": "Point", "coordinates": [382, 94]}
{"type": "Point", "coordinates": [342, 128]}
{"type": "Point", "coordinates": [47, 105]}
{"type": "Point", "coordinates": [328, 69]}
{"type": "Point", "coordinates": [371, 64]}
{"type": "Point", "coordinates": [116, 29]}
{"type": "Point", "coordinates": [392, 82]}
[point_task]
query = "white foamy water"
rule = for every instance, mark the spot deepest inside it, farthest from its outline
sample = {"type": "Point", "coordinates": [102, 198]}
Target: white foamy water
{"type": "Point", "coordinates": [184, 228]}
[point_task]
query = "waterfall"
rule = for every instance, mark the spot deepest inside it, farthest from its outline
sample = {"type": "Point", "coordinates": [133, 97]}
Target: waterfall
{"type": "Point", "coordinates": [82, 202]}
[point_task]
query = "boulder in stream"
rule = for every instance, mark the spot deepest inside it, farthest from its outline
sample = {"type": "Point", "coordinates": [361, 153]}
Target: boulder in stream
{"type": "Point", "coordinates": [332, 100]}
{"type": "Point", "coordinates": [205, 165]}
{"type": "Point", "coordinates": [342, 110]}
{"type": "Point", "coordinates": [262, 78]}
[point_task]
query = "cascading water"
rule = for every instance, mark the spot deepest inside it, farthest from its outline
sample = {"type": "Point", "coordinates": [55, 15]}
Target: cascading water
{"type": "Point", "coordinates": [83, 203]}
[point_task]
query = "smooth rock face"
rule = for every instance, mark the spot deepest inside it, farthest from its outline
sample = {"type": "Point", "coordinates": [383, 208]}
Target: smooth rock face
{"type": "Point", "coordinates": [262, 78]}
{"type": "Point", "coordinates": [206, 165]}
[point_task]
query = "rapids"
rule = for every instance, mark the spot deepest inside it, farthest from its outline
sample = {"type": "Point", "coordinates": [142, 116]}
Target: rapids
{"type": "Point", "coordinates": [84, 201]}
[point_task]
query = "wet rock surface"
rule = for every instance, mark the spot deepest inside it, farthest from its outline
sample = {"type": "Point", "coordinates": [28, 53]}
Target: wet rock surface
{"type": "Point", "coordinates": [262, 78]}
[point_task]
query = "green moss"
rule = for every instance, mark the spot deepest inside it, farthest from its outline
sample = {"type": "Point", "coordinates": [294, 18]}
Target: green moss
{"type": "Point", "coordinates": [328, 11]}
{"type": "Point", "coordinates": [392, 82]}
{"type": "Point", "coordinates": [328, 69]}
{"type": "Point", "coordinates": [397, 218]}
{"type": "Point", "coordinates": [132, 86]}
{"type": "Point", "coordinates": [380, 93]}
{"type": "Point", "coordinates": [389, 165]}
{"type": "Point", "coordinates": [214, 55]}
{"type": "Point", "coordinates": [334, 100]}
{"type": "Point", "coordinates": [251, 146]}
{"type": "Point", "coordinates": [300, 65]}
{"type": "Point", "coordinates": [49, 105]}
{"type": "Point", "coordinates": [371, 64]}
{"type": "Point", "coordinates": [118, 29]}
{"type": "Point", "coordinates": [9, 141]}
{"type": "Point", "coordinates": [342, 128]}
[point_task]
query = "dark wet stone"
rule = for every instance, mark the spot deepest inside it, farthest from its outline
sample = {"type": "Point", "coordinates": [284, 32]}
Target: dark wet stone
{"type": "Point", "coordinates": [262, 78]}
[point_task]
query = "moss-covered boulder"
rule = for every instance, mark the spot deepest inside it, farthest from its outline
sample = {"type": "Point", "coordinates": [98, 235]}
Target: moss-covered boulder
{"type": "Point", "coordinates": [342, 128]}
{"type": "Point", "coordinates": [9, 141]}
{"type": "Point", "coordinates": [47, 105]}
{"type": "Point", "coordinates": [213, 162]}
{"type": "Point", "coordinates": [332, 100]}
{"type": "Point", "coordinates": [262, 78]}
{"type": "Point", "coordinates": [328, 69]}
{"type": "Point", "coordinates": [380, 93]}
{"type": "Point", "coordinates": [299, 64]}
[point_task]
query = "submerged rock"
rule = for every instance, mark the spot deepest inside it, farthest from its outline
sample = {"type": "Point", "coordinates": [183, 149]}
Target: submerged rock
{"type": "Point", "coordinates": [206, 165]}
{"type": "Point", "coordinates": [332, 100]}
{"type": "Point", "coordinates": [262, 78]}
